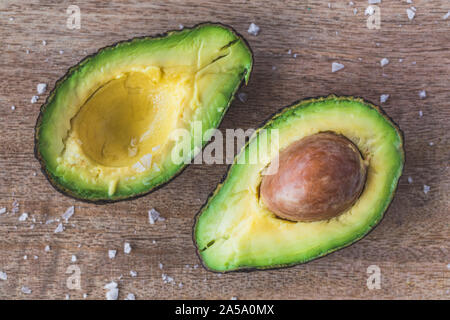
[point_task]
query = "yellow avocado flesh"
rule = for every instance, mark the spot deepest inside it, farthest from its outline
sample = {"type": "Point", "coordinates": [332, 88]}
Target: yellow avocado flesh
{"type": "Point", "coordinates": [235, 230]}
{"type": "Point", "coordinates": [105, 132]}
{"type": "Point", "coordinates": [129, 117]}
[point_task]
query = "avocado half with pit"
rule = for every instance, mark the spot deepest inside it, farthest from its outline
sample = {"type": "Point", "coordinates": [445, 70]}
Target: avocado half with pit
{"type": "Point", "coordinates": [316, 177]}
{"type": "Point", "coordinates": [105, 131]}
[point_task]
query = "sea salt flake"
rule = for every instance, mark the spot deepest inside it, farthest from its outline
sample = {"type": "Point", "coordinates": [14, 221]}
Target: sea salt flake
{"type": "Point", "coordinates": [74, 258]}
{"type": "Point", "coordinates": [426, 189]}
{"type": "Point", "coordinates": [154, 215]}
{"type": "Point", "coordinates": [130, 296]}
{"type": "Point", "coordinates": [34, 99]}
{"type": "Point", "coordinates": [253, 29]}
{"type": "Point", "coordinates": [410, 180]}
{"type": "Point", "coordinates": [374, 1]}
{"type": "Point", "coordinates": [133, 273]}
{"type": "Point", "coordinates": [127, 248]}
{"type": "Point", "coordinates": [384, 62]}
{"type": "Point", "coordinates": [420, 113]}
{"type": "Point", "coordinates": [112, 254]}
{"type": "Point", "coordinates": [41, 87]}
{"type": "Point", "coordinates": [69, 213]}
{"type": "Point", "coordinates": [422, 94]}
{"type": "Point", "coordinates": [369, 11]}
{"type": "Point", "coordinates": [384, 98]}
{"type": "Point", "coordinates": [59, 228]}
{"type": "Point", "coordinates": [411, 13]}
{"type": "Point", "coordinates": [446, 16]}
{"type": "Point", "coordinates": [113, 291]}
{"type": "Point", "coordinates": [26, 290]}
{"type": "Point", "coordinates": [47, 248]}
{"type": "Point", "coordinates": [336, 66]}
{"type": "Point", "coordinates": [3, 276]}
{"type": "Point", "coordinates": [23, 216]}
{"type": "Point", "coordinates": [2, 210]}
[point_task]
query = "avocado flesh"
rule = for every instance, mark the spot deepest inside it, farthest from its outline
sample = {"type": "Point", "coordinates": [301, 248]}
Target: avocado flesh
{"type": "Point", "coordinates": [234, 230]}
{"type": "Point", "coordinates": [104, 133]}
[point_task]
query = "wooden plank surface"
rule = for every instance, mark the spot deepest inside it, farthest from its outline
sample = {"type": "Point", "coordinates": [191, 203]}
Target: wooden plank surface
{"type": "Point", "coordinates": [410, 245]}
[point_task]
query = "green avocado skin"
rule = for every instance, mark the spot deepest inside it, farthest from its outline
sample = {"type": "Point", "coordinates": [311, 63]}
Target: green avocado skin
{"type": "Point", "coordinates": [53, 123]}
{"type": "Point", "coordinates": [227, 239]}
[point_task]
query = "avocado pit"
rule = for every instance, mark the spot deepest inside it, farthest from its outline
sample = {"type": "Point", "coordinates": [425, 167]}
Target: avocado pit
{"type": "Point", "coordinates": [318, 178]}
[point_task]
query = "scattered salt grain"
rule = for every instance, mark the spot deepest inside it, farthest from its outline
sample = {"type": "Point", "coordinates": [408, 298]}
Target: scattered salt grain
{"type": "Point", "coordinates": [35, 257]}
{"type": "Point", "coordinates": [13, 108]}
{"type": "Point", "coordinates": [160, 265]}
{"type": "Point", "coordinates": [67, 296]}
{"type": "Point", "coordinates": [180, 26]}
{"type": "Point", "coordinates": [61, 51]}
{"type": "Point", "coordinates": [34, 99]}
{"type": "Point", "coordinates": [127, 248]}
{"type": "Point", "coordinates": [410, 180]}
{"type": "Point", "coordinates": [384, 98]}
{"type": "Point", "coordinates": [422, 94]}
{"type": "Point", "coordinates": [355, 11]}
{"type": "Point", "coordinates": [446, 16]}
{"type": "Point", "coordinates": [2, 210]}
{"type": "Point", "coordinates": [133, 273]}
{"type": "Point", "coordinates": [180, 285]}
{"type": "Point", "coordinates": [47, 248]}
{"type": "Point", "coordinates": [374, 1]}
{"type": "Point", "coordinates": [112, 254]}
{"type": "Point", "coordinates": [41, 87]}
{"type": "Point", "coordinates": [166, 278]}
{"type": "Point", "coordinates": [448, 266]}
{"type": "Point", "coordinates": [85, 295]}
{"type": "Point", "coordinates": [130, 296]}
{"type": "Point", "coordinates": [253, 29]}
{"type": "Point", "coordinates": [74, 258]}
{"type": "Point", "coordinates": [154, 215]}
{"type": "Point", "coordinates": [411, 13]}
{"type": "Point", "coordinates": [26, 290]}
{"type": "Point", "coordinates": [25, 257]}
{"type": "Point", "coordinates": [69, 213]}
{"type": "Point", "coordinates": [113, 291]}
{"type": "Point", "coordinates": [336, 66]}
{"type": "Point", "coordinates": [234, 298]}
{"type": "Point", "coordinates": [426, 189]}
{"type": "Point", "coordinates": [23, 216]}
{"type": "Point", "coordinates": [420, 113]}
{"type": "Point", "coordinates": [3, 276]}
{"type": "Point", "coordinates": [431, 143]}
{"type": "Point", "coordinates": [384, 62]}
{"type": "Point", "coordinates": [59, 228]}
{"type": "Point", "coordinates": [44, 43]}
{"type": "Point", "coordinates": [369, 11]}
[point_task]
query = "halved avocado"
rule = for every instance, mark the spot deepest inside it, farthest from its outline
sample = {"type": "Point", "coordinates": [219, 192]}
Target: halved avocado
{"type": "Point", "coordinates": [235, 229]}
{"type": "Point", "coordinates": [104, 133]}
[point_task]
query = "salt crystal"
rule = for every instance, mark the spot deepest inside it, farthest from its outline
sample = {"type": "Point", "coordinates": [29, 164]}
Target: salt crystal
{"type": "Point", "coordinates": [384, 62]}
{"type": "Point", "coordinates": [2, 210]}
{"type": "Point", "coordinates": [26, 290]}
{"type": "Point", "coordinates": [44, 43]}
{"type": "Point", "coordinates": [23, 216]}
{"type": "Point", "coordinates": [242, 96]}
{"type": "Point", "coordinates": [426, 189]}
{"type": "Point", "coordinates": [420, 113]}
{"type": "Point", "coordinates": [59, 228]}
{"type": "Point", "coordinates": [34, 99]}
{"type": "Point", "coordinates": [160, 265]}
{"type": "Point", "coordinates": [410, 180]}
{"type": "Point", "coordinates": [383, 98]}
{"type": "Point", "coordinates": [253, 29]}
{"type": "Point", "coordinates": [130, 296]}
{"type": "Point", "coordinates": [113, 291]}
{"type": "Point", "coordinates": [336, 66]}
{"type": "Point", "coordinates": [41, 87]}
{"type": "Point", "coordinates": [422, 94]}
{"type": "Point", "coordinates": [133, 273]}
{"type": "Point", "coordinates": [369, 11]}
{"type": "Point", "coordinates": [74, 258]}
{"type": "Point", "coordinates": [69, 213]}
{"type": "Point", "coordinates": [411, 13]}
{"type": "Point", "coordinates": [374, 1]}
{"type": "Point", "coordinates": [127, 248]}
{"type": "Point", "coordinates": [3, 276]}
{"type": "Point", "coordinates": [112, 254]}
{"type": "Point", "coordinates": [154, 215]}
{"type": "Point", "coordinates": [13, 108]}
{"type": "Point", "coordinates": [446, 16]}
{"type": "Point", "coordinates": [47, 248]}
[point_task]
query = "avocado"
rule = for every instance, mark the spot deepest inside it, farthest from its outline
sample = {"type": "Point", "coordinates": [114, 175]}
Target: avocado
{"type": "Point", "coordinates": [104, 133]}
{"type": "Point", "coordinates": [338, 161]}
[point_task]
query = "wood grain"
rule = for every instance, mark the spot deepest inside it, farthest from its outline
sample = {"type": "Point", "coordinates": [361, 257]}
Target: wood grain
{"type": "Point", "coordinates": [410, 245]}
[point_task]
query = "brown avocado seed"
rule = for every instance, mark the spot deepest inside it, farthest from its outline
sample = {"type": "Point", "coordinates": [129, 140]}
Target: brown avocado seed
{"type": "Point", "coordinates": [318, 178]}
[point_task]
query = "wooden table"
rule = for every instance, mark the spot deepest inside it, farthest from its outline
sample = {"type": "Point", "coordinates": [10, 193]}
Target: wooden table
{"type": "Point", "coordinates": [410, 245]}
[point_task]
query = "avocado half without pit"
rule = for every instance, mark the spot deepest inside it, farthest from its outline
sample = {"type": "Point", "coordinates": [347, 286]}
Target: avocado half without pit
{"type": "Point", "coordinates": [338, 161]}
{"type": "Point", "coordinates": [104, 133]}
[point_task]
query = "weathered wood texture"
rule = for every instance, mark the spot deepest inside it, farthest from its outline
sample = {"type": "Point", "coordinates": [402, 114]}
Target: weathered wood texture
{"type": "Point", "coordinates": [410, 245]}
